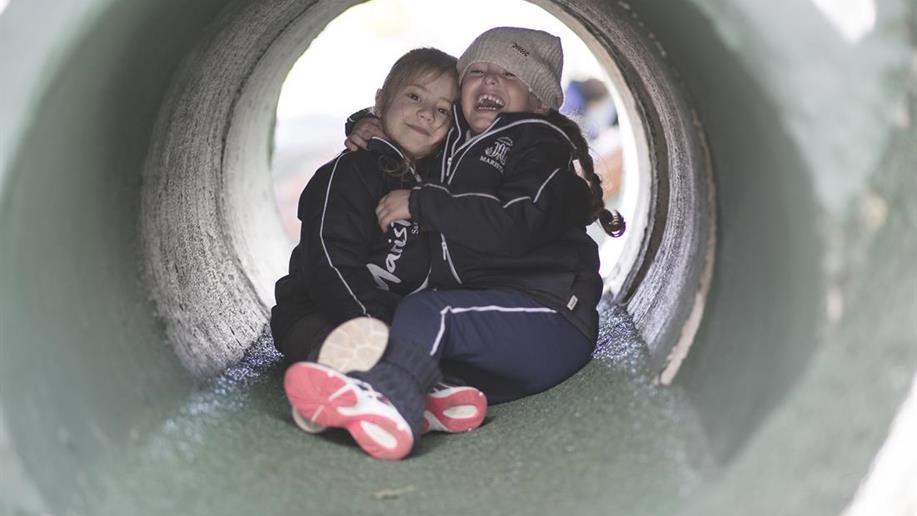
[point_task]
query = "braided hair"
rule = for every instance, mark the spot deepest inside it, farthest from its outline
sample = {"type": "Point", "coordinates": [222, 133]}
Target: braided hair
{"type": "Point", "coordinates": [612, 222]}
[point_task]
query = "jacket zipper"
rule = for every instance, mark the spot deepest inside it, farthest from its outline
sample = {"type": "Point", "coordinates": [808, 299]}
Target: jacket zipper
{"type": "Point", "coordinates": [448, 258]}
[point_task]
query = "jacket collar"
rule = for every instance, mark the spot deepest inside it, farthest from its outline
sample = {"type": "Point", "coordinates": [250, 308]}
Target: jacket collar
{"type": "Point", "coordinates": [499, 121]}
{"type": "Point", "coordinates": [384, 147]}
{"type": "Point", "coordinates": [463, 134]}
{"type": "Point", "coordinates": [463, 140]}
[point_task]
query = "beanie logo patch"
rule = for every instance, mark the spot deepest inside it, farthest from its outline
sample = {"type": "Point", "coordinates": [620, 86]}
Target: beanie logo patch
{"type": "Point", "coordinates": [495, 155]}
{"type": "Point", "coordinates": [521, 50]}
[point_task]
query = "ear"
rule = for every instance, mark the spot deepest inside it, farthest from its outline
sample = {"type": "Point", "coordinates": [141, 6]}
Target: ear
{"type": "Point", "coordinates": [379, 101]}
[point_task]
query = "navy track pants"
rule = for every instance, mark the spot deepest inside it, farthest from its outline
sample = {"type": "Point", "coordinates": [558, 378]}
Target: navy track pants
{"type": "Point", "coordinates": [500, 341]}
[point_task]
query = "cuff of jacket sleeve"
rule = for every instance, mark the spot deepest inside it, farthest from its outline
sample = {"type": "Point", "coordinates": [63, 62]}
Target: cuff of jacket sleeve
{"type": "Point", "coordinates": [356, 117]}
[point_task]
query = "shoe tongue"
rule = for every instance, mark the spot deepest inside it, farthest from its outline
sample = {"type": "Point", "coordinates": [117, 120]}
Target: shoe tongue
{"type": "Point", "coordinates": [361, 384]}
{"type": "Point", "coordinates": [400, 389]}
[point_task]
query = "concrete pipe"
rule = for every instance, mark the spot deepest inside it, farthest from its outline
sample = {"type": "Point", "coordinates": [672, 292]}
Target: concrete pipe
{"type": "Point", "coordinates": [775, 275]}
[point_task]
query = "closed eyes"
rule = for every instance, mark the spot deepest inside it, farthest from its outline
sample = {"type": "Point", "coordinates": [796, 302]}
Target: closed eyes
{"type": "Point", "coordinates": [474, 72]}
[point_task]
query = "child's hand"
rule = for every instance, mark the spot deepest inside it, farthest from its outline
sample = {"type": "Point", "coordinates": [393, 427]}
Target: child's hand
{"type": "Point", "coordinates": [392, 207]}
{"type": "Point", "coordinates": [363, 131]}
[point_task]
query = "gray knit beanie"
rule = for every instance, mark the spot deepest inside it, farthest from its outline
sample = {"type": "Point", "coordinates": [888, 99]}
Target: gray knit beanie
{"type": "Point", "coordinates": [534, 56]}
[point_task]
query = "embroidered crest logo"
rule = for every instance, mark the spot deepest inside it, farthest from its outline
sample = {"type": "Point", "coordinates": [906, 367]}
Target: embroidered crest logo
{"type": "Point", "coordinates": [495, 155]}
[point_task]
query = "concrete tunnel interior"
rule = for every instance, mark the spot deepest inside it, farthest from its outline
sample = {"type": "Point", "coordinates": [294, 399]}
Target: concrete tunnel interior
{"type": "Point", "coordinates": [778, 243]}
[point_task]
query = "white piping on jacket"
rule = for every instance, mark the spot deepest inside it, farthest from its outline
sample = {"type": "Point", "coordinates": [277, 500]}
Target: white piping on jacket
{"type": "Point", "coordinates": [494, 198]}
{"type": "Point", "coordinates": [537, 194]}
{"type": "Point", "coordinates": [321, 234]}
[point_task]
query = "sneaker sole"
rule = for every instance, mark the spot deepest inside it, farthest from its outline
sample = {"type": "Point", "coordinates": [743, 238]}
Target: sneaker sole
{"type": "Point", "coordinates": [356, 345]}
{"type": "Point", "coordinates": [325, 397]}
{"type": "Point", "coordinates": [304, 424]}
{"type": "Point", "coordinates": [458, 411]}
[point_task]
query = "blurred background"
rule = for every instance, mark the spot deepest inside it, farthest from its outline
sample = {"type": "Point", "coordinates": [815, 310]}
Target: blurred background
{"type": "Point", "coordinates": [345, 65]}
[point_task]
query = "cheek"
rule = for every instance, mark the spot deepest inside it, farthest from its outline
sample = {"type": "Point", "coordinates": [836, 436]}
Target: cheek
{"type": "Point", "coordinates": [387, 125]}
{"type": "Point", "coordinates": [468, 108]}
{"type": "Point", "coordinates": [519, 99]}
{"type": "Point", "coordinates": [438, 134]}
{"type": "Point", "coordinates": [467, 101]}
{"type": "Point", "coordinates": [467, 88]}
{"type": "Point", "coordinates": [534, 105]}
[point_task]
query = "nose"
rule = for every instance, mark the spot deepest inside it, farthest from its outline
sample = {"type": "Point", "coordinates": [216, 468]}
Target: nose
{"type": "Point", "coordinates": [426, 113]}
{"type": "Point", "coordinates": [490, 77]}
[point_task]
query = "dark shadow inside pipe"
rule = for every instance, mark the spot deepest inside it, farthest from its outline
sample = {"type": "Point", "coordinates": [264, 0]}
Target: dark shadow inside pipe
{"type": "Point", "coordinates": [761, 328]}
{"type": "Point", "coordinates": [85, 370]}
{"type": "Point", "coordinates": [121, 386]}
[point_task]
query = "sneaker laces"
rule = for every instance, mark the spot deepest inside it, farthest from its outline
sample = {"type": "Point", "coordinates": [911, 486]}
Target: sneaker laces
{"type": "Point", "coordinates": [365, 386]}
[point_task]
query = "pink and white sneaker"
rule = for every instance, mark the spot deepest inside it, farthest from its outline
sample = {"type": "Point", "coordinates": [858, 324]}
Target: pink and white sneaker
{"type": "Point", "coordinates": [454, 408]}
{"type": "Point", "coordinates": [356, 345]}
{"type": "Point", "coordinates": [326, 397]}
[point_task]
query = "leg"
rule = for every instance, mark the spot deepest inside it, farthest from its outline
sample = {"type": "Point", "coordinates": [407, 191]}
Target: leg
{"type": "Point", "coordinates": [382, 408]}
{"type": "Point", "coordinates": [501, 342]}
{"type": "Point", "coordinates": [303, 340]}
{"type": "Point", "coordinates": [326, 397]}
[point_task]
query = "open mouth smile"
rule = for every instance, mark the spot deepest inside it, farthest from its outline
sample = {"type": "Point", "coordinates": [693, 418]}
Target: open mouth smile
{"type": "Point", "coordinates": [487, 102]}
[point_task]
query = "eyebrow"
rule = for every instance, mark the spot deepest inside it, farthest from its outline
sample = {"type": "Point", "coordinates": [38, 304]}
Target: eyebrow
{"type": "Point", "coordinates": [418, 86]}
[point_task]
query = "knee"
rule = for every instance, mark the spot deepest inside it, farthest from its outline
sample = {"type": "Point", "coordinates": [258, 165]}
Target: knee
{"type": "Point", "coordinates": [422, 304]}
{"type": "Point", "coordinates": [422, 308]}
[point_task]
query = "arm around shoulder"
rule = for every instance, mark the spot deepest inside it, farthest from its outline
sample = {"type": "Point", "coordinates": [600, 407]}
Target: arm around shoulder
{"type": "Point", "coordinates": [530, 204]}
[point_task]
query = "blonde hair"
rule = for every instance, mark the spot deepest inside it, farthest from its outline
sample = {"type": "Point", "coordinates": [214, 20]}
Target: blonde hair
{"type": "Point", "coordinates": [420, 63]}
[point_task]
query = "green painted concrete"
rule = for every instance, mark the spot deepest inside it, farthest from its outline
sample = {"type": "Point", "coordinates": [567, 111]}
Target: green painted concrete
{"type": "Point", "coordinates": [807, 348]}
{"type": "Point", "coordinates": [232, 449]}
{"type": "Point", "coordinates": [83, 357]}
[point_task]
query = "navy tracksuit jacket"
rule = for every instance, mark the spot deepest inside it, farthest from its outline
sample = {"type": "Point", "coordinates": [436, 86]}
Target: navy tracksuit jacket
{"type": "Point", "coordinates": [517, 274]}
{"type": "Point", "coordinates": [344, 266]}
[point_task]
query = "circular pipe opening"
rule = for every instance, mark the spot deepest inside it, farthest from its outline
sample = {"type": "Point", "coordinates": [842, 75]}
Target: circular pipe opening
{"type": "Point", "coordinates": [309, 112]}
{"type": "Point", "coordinates": [213, 240]}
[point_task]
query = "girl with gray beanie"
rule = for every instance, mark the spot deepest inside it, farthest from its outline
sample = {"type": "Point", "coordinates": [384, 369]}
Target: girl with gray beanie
{"type": "Point", "coordinates": [514, 274]}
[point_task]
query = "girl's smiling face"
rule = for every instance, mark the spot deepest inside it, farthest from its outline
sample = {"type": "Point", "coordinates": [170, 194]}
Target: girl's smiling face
{"type": "Point", "coordinates": [489, 89]}
{"type": "Point", "coordinates": [419, 114]}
